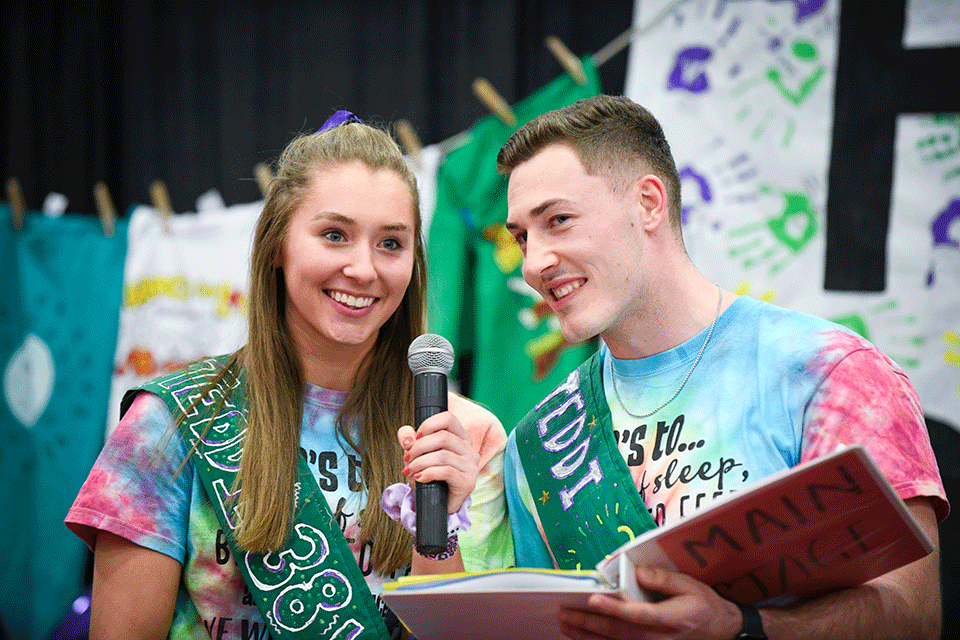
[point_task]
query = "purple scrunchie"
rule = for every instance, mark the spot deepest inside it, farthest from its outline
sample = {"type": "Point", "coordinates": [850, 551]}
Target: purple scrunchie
{"type": "Point", "coordinates": [337, 119]}
{"type": "Point", "coordinates": [399, 502]}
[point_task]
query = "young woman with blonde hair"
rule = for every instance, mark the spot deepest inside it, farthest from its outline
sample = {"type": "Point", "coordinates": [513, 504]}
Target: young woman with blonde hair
{"type": "Point", "coordinates": [240, 496]}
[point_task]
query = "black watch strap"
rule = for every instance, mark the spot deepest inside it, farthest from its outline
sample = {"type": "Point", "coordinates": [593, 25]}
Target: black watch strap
{"type": "Point", "coordinates": [752, 625]}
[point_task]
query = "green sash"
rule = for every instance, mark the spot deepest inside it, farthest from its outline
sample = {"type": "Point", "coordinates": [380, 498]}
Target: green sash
{"type": "Point", "coordinates": [584, 493]}
{"type": "Point", "coordinates": [311, 589]}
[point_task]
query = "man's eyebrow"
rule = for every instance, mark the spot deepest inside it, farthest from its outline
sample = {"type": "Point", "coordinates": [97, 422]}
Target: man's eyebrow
{"type": "Point", "coordinates": [537, 211]}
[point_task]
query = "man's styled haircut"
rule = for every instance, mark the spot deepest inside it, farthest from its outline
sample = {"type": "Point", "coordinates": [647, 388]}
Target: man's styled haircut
{"type": "Point", "coordinates": [614, 137]}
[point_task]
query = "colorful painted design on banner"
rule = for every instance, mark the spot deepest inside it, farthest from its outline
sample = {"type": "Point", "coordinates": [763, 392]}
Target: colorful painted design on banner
{"type": "Point", "coordinates": [179, 305]}
{"type": "Point", "coordinates": [226, 300]}
{"type": "Point", "coordinates": [775, 240]}
{"type": "Point", "coordinates": [923, 246]}
{"type": "Point", "coordinates": [886, 320]}
{"type": "Point", "coordinates": [951, 354]}
{"type": "Point", "coordinates": [744, 91]}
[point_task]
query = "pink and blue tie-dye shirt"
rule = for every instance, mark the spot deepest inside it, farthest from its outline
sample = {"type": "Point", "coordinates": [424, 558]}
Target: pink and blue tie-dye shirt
{"type": "Point", "coordinates": [138, 495]}
{"type": "Point", "coordinates": [773, 388]}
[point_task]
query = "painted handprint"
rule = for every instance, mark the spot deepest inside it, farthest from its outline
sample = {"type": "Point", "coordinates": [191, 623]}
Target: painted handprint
{"type": "Point", "coordinates": [945, 232]}
{"type": "Point", "coordinates": [776, 240]}
{"type": "Point", "coordinates": [944, 145]}
{"type": "Point", "coordinates": [794, 75]}
{"type": "Point", "coordinates": [901, 339]}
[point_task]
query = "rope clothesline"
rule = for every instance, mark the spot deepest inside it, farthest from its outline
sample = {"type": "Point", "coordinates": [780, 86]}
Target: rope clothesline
{"type": "Point", "coordinates": [599, 58]}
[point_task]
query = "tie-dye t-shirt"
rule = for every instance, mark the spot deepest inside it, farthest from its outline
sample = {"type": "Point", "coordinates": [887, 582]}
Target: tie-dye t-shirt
{"type": "Point", "coordinates": [773, 388]}
{"type": "Point", "coordinates": [130, 494]}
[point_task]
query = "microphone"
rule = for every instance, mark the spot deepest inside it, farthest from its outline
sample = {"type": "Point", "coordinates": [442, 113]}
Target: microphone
{"type": "Point", "coordinates": [430, 358]}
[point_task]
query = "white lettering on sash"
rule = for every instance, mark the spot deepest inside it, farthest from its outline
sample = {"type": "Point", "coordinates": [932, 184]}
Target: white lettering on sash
{"type": "Point", "coordinates": [594, 474]}
{"type": "Point", "coordinates": [568, 465]}
{"type": "Point", "coordinates": [543, 422]}
{"type": "Point", "coordinates": [569, 439]}
{"type": "Point", "coordinates": [224, 497]}
{"type": "Point", "coordinates": [570, 385]}
{"type": "Point", "coordinates": [555, 444]}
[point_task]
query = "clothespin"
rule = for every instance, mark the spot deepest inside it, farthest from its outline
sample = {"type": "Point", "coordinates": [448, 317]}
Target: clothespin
{"type": "Point", "coordinates": [264, 176]}
{"type": "Point", "coordinates": [105, 208]}
{"type": "Point", "coordinates": [493, 101]}
{"type": "Point", "coordinates": [567, 60]}
{"type": "Point", "coordinates": [410, 141]}
{"type": "Point", "coordinates": [15, 198]}
{"type": "Point", "coordinates": [161, 202]}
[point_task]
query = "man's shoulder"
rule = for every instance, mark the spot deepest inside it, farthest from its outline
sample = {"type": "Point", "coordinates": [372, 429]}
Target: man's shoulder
{"type": "Point", "coordinates": [791, 329]}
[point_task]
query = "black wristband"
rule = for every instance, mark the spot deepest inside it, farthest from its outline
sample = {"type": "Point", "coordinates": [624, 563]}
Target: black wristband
{"type": "Point", "coordinates": [752, 628]}
{"type": "Point", "coordinates": [452, 544]}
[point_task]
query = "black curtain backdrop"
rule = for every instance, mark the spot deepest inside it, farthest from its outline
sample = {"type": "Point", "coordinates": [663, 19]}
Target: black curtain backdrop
{"type": "Point", "coordinates": [195, 94]}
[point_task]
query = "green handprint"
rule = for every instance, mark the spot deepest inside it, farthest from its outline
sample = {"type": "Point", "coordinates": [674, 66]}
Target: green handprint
{"type": "Point", "coordinates": [791, 230]}
{"type": "Point", "coordinates": [877, 314]}
{"type": "Point", "coordinates": [805, 51]}
{"type": "Point", "coordinates": [942, 146]}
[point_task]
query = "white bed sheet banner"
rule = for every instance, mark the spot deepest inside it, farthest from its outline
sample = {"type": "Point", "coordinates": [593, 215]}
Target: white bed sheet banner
{"type": "Point", "coordinates": [744, 91]}
{"type": "Point", "coordinates": [425, 171]}
{"type": "Point", "coordinates": [184, 292]}
{"type": "Point", "coordinates": [931, 24]}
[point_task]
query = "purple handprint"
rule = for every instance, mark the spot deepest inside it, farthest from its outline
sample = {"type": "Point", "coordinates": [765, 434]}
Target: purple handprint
{"type": "Point", "coordinates": [804, 8]}
{"type": "Point", "coordinates": [686, 59]}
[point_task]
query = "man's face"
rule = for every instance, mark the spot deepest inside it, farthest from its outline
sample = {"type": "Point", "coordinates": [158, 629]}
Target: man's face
{"type": "Point", "coordinates": [580, 242]}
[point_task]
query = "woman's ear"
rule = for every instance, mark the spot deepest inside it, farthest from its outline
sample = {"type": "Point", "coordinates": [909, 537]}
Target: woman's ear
{"type": "Point", "coordinates": [652, 201]}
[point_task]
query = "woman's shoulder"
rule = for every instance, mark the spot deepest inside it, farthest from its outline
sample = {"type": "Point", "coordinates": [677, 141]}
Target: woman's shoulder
{"type": "Point", "coordinates": [146, 425]}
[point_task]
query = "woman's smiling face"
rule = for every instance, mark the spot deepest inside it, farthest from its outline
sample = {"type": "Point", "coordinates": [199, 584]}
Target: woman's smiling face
{"type": "Point", "coordinates": [347, 257]}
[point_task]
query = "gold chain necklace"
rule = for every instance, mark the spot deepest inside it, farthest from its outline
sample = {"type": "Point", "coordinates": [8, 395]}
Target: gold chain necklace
{"type": "Point", "coordinates": [613, 378]}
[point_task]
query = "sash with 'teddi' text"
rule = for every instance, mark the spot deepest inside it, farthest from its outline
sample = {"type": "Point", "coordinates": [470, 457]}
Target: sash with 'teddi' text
{"type": "Point", "coordinates": [584, 493]}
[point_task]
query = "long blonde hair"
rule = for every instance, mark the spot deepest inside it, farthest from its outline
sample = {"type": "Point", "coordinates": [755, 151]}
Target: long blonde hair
{"type": "Point", "coordinates": [381, 398]}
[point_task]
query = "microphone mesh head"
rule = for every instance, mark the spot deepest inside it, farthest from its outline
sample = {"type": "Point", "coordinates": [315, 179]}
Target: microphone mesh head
{"type": "Point", "coordinates": [430, 353]}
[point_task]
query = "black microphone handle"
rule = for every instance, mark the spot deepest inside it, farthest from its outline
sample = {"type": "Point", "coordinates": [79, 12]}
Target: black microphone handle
{"type": "Point", "coordinates": [430, 398]}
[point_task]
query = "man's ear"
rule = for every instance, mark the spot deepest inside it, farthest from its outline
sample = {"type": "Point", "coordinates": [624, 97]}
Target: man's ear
{"type": "Point", "coordinates": [652, 200]}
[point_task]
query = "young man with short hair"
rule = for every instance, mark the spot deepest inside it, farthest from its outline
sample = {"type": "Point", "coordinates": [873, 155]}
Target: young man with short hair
{"type": "Point", "coordinates": [696, 392]}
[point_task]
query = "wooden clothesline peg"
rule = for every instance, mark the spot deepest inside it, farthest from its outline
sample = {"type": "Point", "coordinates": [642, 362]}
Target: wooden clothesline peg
{"type": "Point", "coordinates": [494, 102]}
{"type": "Point", "coordinates": [410, 141]}
{"type": "Point", "coordinates": [567, 60]}
{"type": "Point", "coordinates": [17, 207]}
{"type": "Point", "coordinates": [161, 202]}
{"type": "Point", "coordinates": [264, 176]}
{"type": "Point", "coordinates": [104, 208]}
